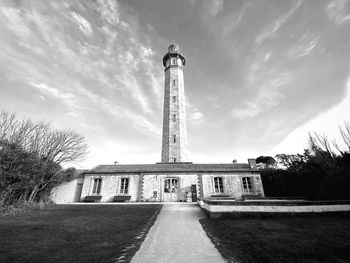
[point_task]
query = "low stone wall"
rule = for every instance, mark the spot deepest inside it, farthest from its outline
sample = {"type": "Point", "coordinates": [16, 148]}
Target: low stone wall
{"type": "Point", "coordinates": [217, 208]}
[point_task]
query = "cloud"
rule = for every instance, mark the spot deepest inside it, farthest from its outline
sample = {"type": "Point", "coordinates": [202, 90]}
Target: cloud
{"type": "Point", "coordinates": [67, 98]}
{"type": "Point", "coordinates": [210, 7]}
{"type": "Point", "coordinates": [109, 10]}
{"type": "Point", "coordinates": [336, 11]}
{"type": "Point", "coordinates": [83, 24]}
{"type": "Point", "coordinates": [268, 95]}
{"type": "Point", "coordinates": [136, 120]}
{"type": "Point", "coordinates": [214, 6]}
{"type": "Point", "coordinates": [247, 110]}
{"type": "Point", "coordinates": [15, 21]}
{"type": "Point", "coordinates": [272, 28]}
{"type": "Point", "coordinates": [264, 83]}
{"type": "Point", "coordinates": [114, 66]}
{"type": "Point", "coordinates": [304, 46]}
{"type": "Point", "coordinates": [227, 24]}
{"type": "Point", "coordinates": [326, 123]}
{"type": "Point", "coordinates": [196, 118]}
{"type": "Point", "coordinates": [214, 101]}
{"type": "Point", "coordinates": [104, 62]}
{"type": "Point", "coordinates": [193, 1]}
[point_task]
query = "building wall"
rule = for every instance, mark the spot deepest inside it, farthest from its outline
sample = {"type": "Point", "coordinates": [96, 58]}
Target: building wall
{"type": "Point", "coordinates": [150, 187]}
{"type": "Point", "coordinates": [111, 186]}
{"type": "Point", "coordinates": [67, 192]}
{"type": "Point", "coordinates": [232, 184]}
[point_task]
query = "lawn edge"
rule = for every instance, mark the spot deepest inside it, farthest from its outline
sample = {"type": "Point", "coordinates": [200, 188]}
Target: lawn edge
{"type": "Point", "coordinates": [129, 252]}
{"type": "Point", "coordinates": [216, 243]}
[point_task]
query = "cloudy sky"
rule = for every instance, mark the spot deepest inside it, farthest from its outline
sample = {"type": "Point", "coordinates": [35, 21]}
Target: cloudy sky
{"type": "Point", "coordinates": [259, 74]}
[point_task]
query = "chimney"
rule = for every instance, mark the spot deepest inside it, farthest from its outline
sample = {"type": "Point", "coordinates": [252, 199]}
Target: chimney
{"type": "Point", "coordinates": [252, 163]}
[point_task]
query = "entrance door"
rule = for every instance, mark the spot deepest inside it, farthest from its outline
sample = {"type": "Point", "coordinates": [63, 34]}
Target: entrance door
{"type": "Point", "coordinates": [194, 193]}
{"type": "Point", "coordinates": [171, 186]}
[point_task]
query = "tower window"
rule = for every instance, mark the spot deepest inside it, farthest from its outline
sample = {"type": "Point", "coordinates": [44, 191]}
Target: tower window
{"type": "Point", "coordinates": [218, 186]}
{"type": "Point", "coordinates": [247, 185]}
{"type": "Point", "coordinates": [174, 160]}
{"type": "Point", "coordinates": [174, 117]}
{"type": "Point", "coordinates": [173, 61]}
{"type": "Point", "coordinates": [96, 188]}
{"type": "Point", "coordinates": [174, 138]}
{"type": "Point", "coordinates": [174, 99]}
{"type": "Point", "coordinates": [174, 81]}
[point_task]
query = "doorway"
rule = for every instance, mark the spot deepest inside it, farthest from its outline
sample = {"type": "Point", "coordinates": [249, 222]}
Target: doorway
{"type": "Point", "coordinates": [171, 190]}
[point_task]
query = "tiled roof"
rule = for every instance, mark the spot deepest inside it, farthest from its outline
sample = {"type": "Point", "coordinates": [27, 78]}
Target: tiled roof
{"type": "Point", "coordinates": [171, 167]}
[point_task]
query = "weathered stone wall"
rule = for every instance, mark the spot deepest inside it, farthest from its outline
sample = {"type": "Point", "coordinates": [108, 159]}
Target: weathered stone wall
{"type": "Point", "coordinates": [155, 182]}
{"type": "Point", "coordinates": [232, 184]}
{"type": "Point", "coordinates": [111, 186]}
{"type": "Point", "coordinates": [150, 187]}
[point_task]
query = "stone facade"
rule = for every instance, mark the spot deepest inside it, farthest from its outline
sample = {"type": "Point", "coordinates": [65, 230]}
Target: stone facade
{"type": "Point", "coordinates": [153, 183]}
{"type": "Point", "coordinates": [110, 186]}
{"type": "Point", "coordinates": [232, 184]}
{"type": "Point", "coordinates": [153, 188]}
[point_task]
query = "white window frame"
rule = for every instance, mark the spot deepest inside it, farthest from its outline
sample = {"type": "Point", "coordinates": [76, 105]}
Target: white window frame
{"type": "Point", "coordinates": [98, 186]}
{"type": "Point", "coordinates": [216, 178]}
{"type": "Point", "coordinates": [246, 181]}
{"type": "Point", "coordinates": [122, 186]}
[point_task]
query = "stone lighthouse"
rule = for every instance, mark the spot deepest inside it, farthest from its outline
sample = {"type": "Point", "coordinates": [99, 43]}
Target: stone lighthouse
{"type": "Point", "coordinates": [174, 140]}
{"type": "Point", "coordinates": [175, 178]}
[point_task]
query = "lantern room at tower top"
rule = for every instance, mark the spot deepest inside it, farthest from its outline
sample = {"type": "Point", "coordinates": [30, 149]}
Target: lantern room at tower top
{"type": "Point", "coordinates": [174, 51]}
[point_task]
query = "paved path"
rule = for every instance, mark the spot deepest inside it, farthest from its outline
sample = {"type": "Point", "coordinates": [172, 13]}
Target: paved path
{"type": "Point", "coordinates": [177, 236]}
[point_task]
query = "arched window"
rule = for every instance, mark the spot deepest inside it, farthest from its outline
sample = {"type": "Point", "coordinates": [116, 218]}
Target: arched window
{"type": "Point", "coordinates": [170, 185]}
{"type": "Point", "coordinates": [218, 185]}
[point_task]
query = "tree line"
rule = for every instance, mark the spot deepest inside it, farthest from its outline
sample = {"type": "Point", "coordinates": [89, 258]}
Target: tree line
{"type": "Point", "coordinates": [321, 172]}
{"type": "Point", "coordinates": [31, 158]}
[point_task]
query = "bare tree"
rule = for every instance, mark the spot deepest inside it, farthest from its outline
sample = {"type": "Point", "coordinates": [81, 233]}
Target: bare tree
{"type": "Point", "coordinates": [345, 134]}
{"type": "Point", "coordinates": [322, 142]}
{"type": "Point", "coordinates": [38, 137]}
{"type": "Point", "coordinates": [31, 155]}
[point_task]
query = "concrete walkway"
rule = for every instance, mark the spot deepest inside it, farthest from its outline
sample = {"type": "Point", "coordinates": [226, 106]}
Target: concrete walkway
{"type": "Point", "coordinates": [177, 236]}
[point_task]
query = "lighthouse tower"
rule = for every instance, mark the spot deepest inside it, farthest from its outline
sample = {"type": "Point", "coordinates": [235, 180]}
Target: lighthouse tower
{"type": "Point", "coordinates": [174, 141]}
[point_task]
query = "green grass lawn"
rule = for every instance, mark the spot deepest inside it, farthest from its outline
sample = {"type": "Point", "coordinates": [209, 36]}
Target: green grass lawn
{"type": "Point", "coordinates": [79, 233]}
{"type": "Point", "coordinates": [314, 238]}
